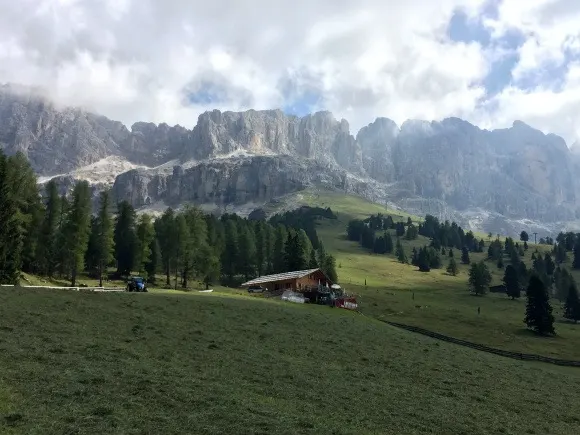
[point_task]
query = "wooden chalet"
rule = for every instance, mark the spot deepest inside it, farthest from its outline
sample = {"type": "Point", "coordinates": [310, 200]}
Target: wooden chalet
{"type": "Point", "coordinates": [299, 281]}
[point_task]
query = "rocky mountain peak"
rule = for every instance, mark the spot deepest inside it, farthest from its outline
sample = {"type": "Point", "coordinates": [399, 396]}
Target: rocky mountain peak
{"type": "Point", "coordinates": [255, 155]}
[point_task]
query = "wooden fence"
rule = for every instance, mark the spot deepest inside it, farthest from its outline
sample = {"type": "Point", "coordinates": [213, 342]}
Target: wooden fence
{"type": "Point", "coordinates": [504, 353]}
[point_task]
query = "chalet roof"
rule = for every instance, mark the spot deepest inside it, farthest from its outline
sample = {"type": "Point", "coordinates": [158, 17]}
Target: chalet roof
{"type": "Point", "coordinates": [280, 277]}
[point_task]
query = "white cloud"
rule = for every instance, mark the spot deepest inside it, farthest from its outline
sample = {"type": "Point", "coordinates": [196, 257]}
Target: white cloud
{"type": "Point", "coordinates": [551, 41]}
{"type": "Point", "coordinates": [136, 60]}
{"type": "Point", "coordinates": [132, 60]}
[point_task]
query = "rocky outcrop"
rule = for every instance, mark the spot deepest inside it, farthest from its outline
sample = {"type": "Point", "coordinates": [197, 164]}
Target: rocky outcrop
{"type": "Point", "coordinates": [319, 137]}
{"type": "Point", "coordinates": [222, 182]}
{"type": "Point", "coordinates": [55, 141]}
{"type": "Point", "coordinates": [518, 172]}
{"type": "Point", "coordinates": [377, 141]}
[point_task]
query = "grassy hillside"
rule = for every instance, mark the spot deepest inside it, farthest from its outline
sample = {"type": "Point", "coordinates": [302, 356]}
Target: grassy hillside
{"type": "Point", "coordinates": [434, 300]}
{"type": "Point", "coordinates": [148, 363]}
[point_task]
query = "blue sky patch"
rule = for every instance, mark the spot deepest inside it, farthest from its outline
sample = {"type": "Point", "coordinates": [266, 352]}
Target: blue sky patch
{"type": "Point", "coordinates": [302, 104]}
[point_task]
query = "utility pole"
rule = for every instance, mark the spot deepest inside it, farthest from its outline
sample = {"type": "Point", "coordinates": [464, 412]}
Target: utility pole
{"type": "Point", "coordinates": [535, 238]}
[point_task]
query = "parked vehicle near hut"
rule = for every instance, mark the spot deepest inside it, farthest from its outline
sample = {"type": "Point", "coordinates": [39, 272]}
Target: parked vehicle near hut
{"type": "Point", "coordinates": [136, 284]}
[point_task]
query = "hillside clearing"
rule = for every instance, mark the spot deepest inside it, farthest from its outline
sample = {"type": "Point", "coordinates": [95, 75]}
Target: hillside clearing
{"type": "Point", "coordinates": [435, 301]}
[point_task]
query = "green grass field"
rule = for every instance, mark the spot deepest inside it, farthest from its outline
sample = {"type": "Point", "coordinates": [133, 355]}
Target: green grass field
{"type": "Point", "coordinates": [81, 363]}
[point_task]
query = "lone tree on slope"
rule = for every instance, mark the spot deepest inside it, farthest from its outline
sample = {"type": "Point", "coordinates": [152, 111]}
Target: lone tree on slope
{"type": "Point", "coordinates": [479, 278]}
{"type": "Point", "coordinates": [524, 237]}
{"type": "Point", "coordinates": [539, 316]}
{"type": "Point", "coordinates": [572, 307]}
{"type": "Point", "coordinates": [465, 256]}
{"type": "Point", "coordinates": [511, 282]}
{"type": "Point", "coordinates": [452, 267]}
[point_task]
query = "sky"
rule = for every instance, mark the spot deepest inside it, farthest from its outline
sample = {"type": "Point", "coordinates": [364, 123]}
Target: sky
{"type": "Point", "coordinates": [487, 61]}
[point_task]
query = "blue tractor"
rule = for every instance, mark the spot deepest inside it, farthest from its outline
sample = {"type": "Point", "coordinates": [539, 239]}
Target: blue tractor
{"type": "Point", "coordinates": [136, 284]}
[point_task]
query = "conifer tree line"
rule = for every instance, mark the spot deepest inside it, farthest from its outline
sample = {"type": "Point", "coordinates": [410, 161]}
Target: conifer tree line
{"type": "Point", "coordinates": [58, 236]}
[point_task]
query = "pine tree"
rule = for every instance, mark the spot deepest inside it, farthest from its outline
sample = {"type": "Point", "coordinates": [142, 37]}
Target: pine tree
{"type": "Point", "coordinates": [511, 282]}
{"type": "Point", "coordinates": [125, 238]}
{"type": "Point", "coordinates": [260, 235]}
{"type": "Point", "coordinates": [152, 266]}
{"type": "Point", "coordinates": [560, 253]}
{"type": "Point", "coordinates": [63, 262]}
{"type": "Point", "coordinates": [411, 233]}
{"type": "Point", "coordinates": [279, 260]}
{"type": "Point", "coordinates": [415, 257]}
{"type": "Point", "coordinates": [388, 243]}
{"type": "Point", "coordinates": [247, 257]}
{"type": "Point", "coordinates": [452, 268]}
{"type": "Point", "coordinates": [465, 256]}
{"type": "Point", "coordinates": [563, 280]}
{"type": "Point", "coordinates": [451, 255]}
{"type": "Point", "coordinates": [479, 278]}
{"type": "Point", "coordinates": [91, 261]}
{"type": "Point", "coordinates": [423, 260]}
{"type": "Point", "coordinates": [549, 264]}
{"type": "Point", "coordinates": [10, 236]}
{"type": "Point", "coordinates": [572, 306]}
{"type": "Point", "coordinates": [400, 252]}
{"type": "Point", "coordinates": [47, 252]}
{"type": "Point", "coordinates": [538, 310]}
{"type": "Point", "coordinates": [181, 246]}
{"type": "Point", "coordinates": [230, 254]}
{"type": "Point", "coordinates": [145, 234]}
{"type": "Point", "coordinates": [313, 262]}
{"type": "Point", "coordinates": [500, 264]}
{"type": "Point", "coordinates": [524, 236]}
{"type": "Point", "coordinates": [29, 209]}
{"type": "Point", "coordinates": [522, 273]}
{"type": "Point", "coordinates": [105, 248]}
{"type": "Point", "coordinates": [78, 228]}
{"type": "Point", "coordinates": [576, 262]}
{"type": "Point", "coordinates": [165, 232]}
{"type": "Point", "coordinates": [305, 248]}
{"type": "Point", "coordinates": [329, 268]}
{"type": "Point", "coordinates": [209, 265]}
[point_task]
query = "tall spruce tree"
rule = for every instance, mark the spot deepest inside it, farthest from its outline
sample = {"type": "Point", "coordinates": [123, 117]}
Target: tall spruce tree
{"type": "Point", "coordinates": [511, 282]}
{"type": "Point", "coordinates": [29, 209]}
{"type": "Point", "coordinates": [452, 268]}
{"type": "Point", "coordinates": [465, 256]}
{"type": "Point", "coordinates": [10, 235]}
{"type": "Point", "coordinates": [63, 262]}
{"type": "Point", "coordinates": [125, 238]}
{"type": "Point", "coordinates": [572, 306]}
{"type": "Point", "coordinates": [423, 260]}
{"type": "Point", "coordinates": [78, 228]}
{"type": "Point", "coordinates": [479, 278]}
{"type": "Point", "coordinates": [329, 268]}
{"type": "Point", "coordinates": [539, 316]}
{"type": "Point", "coordinates": [145, 234]}
{"type": "Point", "coordinates": [313, 262]}
{"type": "Point", "coordinates": [279, 259]}
{"type": "Point", "coordinates": [47, 252]}
{"type": "Point", "coordinates": [165, 232]}
{"type": "Point", "coordinates": [388, 243]}
{"type": "Point", "coordinates": [152, 266]}
{"type": "Point", "coordinates": [576, 261]}
{"type": "Point", "coordinates": [181, 250]}
{"type": "Point", "coordinates": [230, 254]}
{"type": "Point", "coordinates": [247, 246]}
{"type": "Point", "coordinates": [105, 245]}
{"type": "Point", "coordinates": [400, 252]}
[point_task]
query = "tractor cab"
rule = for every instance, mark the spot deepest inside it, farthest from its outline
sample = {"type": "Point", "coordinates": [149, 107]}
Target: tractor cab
{"type": "Point", "coordinates": [136, 284]}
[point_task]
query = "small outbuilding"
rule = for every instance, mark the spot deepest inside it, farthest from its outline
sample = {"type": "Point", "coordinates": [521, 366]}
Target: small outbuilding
{"type": "Point", "coordinates": [299, 281]}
